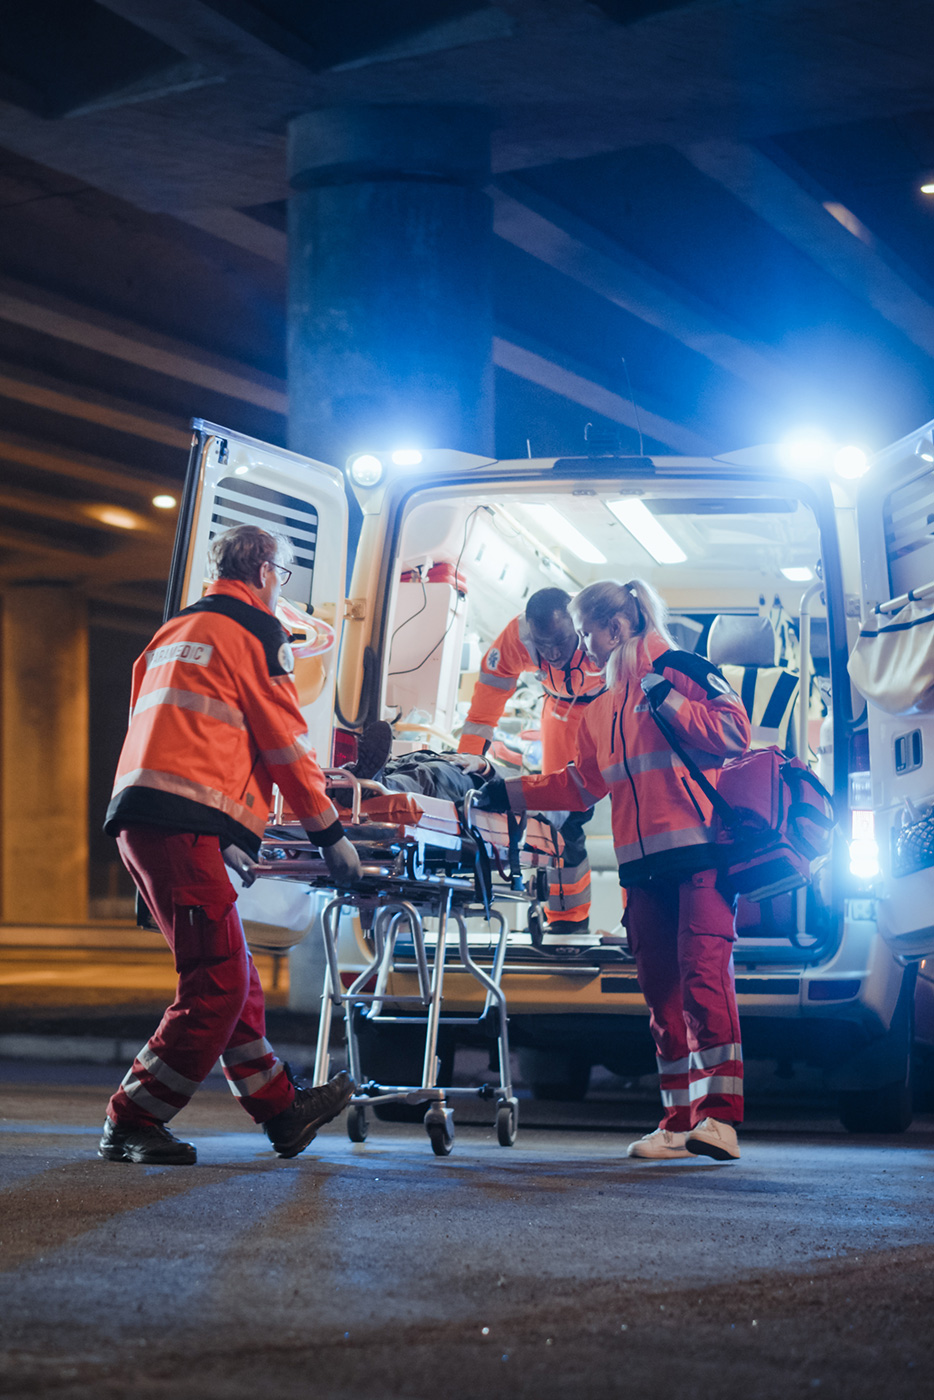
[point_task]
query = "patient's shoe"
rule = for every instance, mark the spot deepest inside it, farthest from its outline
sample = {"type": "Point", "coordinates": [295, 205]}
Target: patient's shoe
{"type": "Point", "coordinates": [373, 750]}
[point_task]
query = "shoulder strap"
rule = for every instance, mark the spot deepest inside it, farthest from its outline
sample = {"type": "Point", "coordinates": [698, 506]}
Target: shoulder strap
{"type": "Point", "coordinates": [267, 629]}
{"type": "Point", "coordinates": [669, 660]}
{"type": "Point", "coordinates": [697, 669]}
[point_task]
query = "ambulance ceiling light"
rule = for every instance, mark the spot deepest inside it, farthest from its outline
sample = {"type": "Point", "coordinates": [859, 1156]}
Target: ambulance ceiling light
{"type": "Point", "coordinates": [407, 457]}
{"type": "Point", "coordinates": [796, 575]}
{"type": "Point", "coordinates": [850, 462]}
{"type": "Point", "coordinates": [645, 529]}
{"type": "Point", "coordinates": [165, 502]}
{"type": "Point", "coordinates": [928, 187]}
{"type": "Point", "coordinates": [564, 532]}
{"type": "Point", "coordinates": [241, 471]}
{"type": "Point", "coordinates": [366, 470]}
{"type": "Point", "coordinates": [925, 449]}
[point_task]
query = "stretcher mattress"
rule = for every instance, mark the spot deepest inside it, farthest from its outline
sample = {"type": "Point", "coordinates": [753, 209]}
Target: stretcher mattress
{"type": "Point", "coordinates": [419, 817]}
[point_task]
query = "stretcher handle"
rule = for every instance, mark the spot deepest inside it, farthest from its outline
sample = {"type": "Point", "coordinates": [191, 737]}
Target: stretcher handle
{"type": "Point", "coordinates": [341, 777]}
{"type": "Point", "coordinates": [482, 872]}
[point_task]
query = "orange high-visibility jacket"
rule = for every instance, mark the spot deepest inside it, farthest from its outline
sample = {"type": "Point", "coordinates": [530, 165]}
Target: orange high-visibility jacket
{"type": "Point", "coordinates": [214, 722]}
{"type": "Point", "coordinates": [568, 690]}
{"type": "Point", "coordinates": [661, 819]}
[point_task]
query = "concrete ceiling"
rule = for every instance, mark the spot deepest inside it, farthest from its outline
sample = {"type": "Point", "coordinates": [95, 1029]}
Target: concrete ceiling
{"type": "Point", "coordinates": [725, 193]}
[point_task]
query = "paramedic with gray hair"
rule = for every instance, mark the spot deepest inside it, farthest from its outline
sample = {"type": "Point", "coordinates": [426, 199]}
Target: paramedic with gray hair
{"type": "Point", "coordinates": [679, 923]}
{"type": "Point", "coordinates": [214, 723]}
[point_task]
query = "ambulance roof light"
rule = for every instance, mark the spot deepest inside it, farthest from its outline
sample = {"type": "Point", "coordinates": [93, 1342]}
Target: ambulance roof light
{"type": "Point", "coordinates": [366, 470]}
{"type": "Point", "coordinates": [850, 462]}
{"type": "Point", "coordinates": [407, 457]}
{"type": "Point", "coordinates": [808, 449]}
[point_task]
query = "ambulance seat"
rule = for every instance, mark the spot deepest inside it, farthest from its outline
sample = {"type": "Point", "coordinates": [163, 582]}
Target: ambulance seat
{"type": "Point", "coordinates": [744, 647]}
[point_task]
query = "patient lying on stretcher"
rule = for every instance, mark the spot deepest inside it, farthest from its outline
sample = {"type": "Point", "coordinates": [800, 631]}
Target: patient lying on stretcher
{"type": "Point", "coordinates": [448, 775]}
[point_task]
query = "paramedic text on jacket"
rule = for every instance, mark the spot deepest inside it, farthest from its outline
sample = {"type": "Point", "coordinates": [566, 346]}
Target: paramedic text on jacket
{"type": "Point", "coordinates": [680, 926]}
{"type": "Point", "coordinates": [214, 722]}
{"type": "Point", "coordinates": [544, 641]}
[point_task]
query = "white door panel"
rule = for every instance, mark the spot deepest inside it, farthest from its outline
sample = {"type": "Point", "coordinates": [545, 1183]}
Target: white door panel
{"type": "Point", "coordinates": [235, 480]}
{"type": "Point", "coordinates": [895, 515]}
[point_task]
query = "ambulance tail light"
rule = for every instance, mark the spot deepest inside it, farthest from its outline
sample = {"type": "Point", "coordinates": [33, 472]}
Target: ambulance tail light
{"type": "Point", "coordinates": [864, 849]}
{"type": "Point", "coordinates": [343, 748]}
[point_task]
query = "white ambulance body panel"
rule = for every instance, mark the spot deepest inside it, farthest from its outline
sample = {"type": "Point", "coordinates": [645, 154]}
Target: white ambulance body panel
{"type": "Point", "coordinates": [896, 540]}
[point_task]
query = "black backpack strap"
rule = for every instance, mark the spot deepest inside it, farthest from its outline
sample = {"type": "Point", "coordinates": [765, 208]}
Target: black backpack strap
{"type": "Point", "coordinates": [671, 660]}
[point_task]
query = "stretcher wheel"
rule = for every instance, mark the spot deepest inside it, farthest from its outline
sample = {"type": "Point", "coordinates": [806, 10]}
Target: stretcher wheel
{"type": "Point", "coordinates": [357, 1125]}
{"type": "Point", "coordinates": [507, 1123]}
{"type": "Point", "coordinates": [440, 1125]}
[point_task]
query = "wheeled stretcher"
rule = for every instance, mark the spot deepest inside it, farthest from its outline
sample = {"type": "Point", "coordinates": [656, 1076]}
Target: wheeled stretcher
{"type": "Point", "coordinates": [421, 858]}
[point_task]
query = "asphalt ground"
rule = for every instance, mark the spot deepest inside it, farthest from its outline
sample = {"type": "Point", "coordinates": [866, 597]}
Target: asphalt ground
{"type": "Point", "coordinates": [554, 1267]}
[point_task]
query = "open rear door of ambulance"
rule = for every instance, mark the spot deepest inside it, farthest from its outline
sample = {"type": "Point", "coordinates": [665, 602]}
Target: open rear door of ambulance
{"type": "Point", "coordinates": [236, 480]}
{"type": "Point", "coordinates": [895, 514]}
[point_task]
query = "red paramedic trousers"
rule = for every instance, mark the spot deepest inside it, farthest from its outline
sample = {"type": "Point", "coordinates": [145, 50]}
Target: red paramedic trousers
{"type": "Point", "coordinates": [681, 935]}
{"type": "Point", "coordinates": [219, 1010]}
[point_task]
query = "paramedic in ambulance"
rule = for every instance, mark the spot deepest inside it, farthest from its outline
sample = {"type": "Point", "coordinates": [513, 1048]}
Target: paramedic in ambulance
{"type": "Point", "coordinates": [544, 640]}
{"type": "Point", "coordinates": [214, 722]}
{"type": "Point", "coordinates": [680, 926]}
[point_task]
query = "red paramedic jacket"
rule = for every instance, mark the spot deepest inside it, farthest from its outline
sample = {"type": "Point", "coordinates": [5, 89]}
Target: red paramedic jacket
{"type": "Point", "coordinates": [214, 722]}
{"type": "Point", "coordinates": [661, 820]}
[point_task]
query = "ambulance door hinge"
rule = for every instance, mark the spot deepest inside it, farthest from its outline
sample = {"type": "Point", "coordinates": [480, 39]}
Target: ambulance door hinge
{"type": "Point", "coordinates": [355, 609]}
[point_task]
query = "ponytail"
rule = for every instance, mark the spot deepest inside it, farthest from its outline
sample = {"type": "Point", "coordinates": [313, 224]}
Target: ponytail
{"type": "Point", "coordinates": [637, 604]}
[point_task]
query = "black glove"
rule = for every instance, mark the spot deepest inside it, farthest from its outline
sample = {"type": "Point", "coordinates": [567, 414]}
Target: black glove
{"type": "Point", "coordinates": [492, 796]}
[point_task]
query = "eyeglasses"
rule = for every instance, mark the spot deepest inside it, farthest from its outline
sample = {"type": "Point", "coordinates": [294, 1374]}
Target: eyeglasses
{"type": "Point", "coordinates": [284, 573]}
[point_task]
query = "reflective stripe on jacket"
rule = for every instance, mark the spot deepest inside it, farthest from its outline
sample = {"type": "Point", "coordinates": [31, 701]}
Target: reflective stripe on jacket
{"type": "Point", "coordinates": [661, 820]}
{"type": "Point", "coordinates": [569, 691]}
{"type": "Point", "coordinates": [214, 722]}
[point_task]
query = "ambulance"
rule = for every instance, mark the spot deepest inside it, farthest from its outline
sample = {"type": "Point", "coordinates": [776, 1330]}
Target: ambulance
{"type": "Point", "coordinates": [777, 562]}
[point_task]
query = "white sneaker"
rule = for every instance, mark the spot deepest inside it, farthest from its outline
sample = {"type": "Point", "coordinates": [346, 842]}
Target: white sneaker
{"type": "Point", "coordinates": [711, 1138]}
{"type": "Point", "coordinates": [659, 1145]}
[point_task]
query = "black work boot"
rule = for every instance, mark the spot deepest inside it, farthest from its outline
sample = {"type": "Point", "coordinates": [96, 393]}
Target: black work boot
{"type": "Point", "coordinates": [373, 750]}
{"type": "Point", "coordinates": [150, 1144]}
{"type": "Point", "coordinates": [292, 1130]}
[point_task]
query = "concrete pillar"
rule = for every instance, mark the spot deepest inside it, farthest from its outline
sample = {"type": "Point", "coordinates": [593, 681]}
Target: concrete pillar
{"type": "Point", "coordinates": [44, 753]}
{"type": "Point", "coordinates": [390, 319]}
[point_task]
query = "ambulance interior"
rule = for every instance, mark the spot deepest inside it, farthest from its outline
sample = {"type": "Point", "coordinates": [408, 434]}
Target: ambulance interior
{"type": "Point", "coordinates": [732, 564]}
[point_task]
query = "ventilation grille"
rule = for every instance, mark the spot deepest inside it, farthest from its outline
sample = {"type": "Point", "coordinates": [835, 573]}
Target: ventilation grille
{"type": "Point", "coordinates": [239, 502]}
{"type": "Point", "coordinates": [909, 533]}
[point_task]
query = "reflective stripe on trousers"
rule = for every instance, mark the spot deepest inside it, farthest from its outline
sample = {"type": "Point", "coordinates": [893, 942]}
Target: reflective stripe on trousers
{"type": "Point", "coordinates": [682, 937]}
{"type": "Point", "coordinates": [218, 1011]}
{"type": "Point", "coordinates": [569, 886]}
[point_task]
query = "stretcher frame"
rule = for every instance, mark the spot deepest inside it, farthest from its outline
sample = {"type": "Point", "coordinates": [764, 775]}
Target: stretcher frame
{"type": "Point", "coordinates": [397, 889]}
